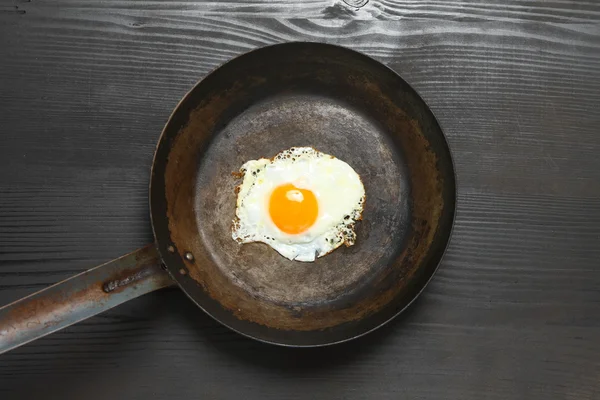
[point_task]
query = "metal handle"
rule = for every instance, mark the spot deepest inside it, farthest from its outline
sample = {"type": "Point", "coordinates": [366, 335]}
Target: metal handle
{"type": "Point", "coordinates": [81, 297]}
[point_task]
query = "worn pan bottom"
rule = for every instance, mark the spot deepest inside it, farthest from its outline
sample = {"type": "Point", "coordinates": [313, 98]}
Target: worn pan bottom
{"type": "Point", "coordinates": [331, 125]}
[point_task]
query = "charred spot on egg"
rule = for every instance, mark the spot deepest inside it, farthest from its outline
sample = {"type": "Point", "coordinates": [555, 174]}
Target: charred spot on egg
{"type": "Point", "coordinates": [302, 203]}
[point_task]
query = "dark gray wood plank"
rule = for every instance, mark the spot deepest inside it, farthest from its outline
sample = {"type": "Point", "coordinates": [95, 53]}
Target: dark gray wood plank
{"type": "Point", "coordinates": [579, 11]}
{"type": "Point", "coordinates": [514, 311]}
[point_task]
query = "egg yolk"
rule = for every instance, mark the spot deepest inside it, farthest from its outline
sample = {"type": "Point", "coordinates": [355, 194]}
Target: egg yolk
{"type": "Point", "coordinates": [293, 210]}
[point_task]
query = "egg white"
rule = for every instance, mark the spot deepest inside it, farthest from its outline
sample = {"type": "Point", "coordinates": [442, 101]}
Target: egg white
{"type": "Point", "coordinates": [339, 191]}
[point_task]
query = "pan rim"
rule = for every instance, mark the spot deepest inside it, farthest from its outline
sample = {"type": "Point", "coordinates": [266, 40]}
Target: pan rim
{"type": "Point", "coordinates": [434, 268]}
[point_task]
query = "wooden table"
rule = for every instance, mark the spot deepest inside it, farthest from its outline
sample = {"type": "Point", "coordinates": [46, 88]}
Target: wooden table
{"type": "Point", "coordinates": [514, 311]}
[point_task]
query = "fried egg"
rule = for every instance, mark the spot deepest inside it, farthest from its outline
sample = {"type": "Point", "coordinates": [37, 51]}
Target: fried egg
{"type": "Point", "coordinates": [302, 203]}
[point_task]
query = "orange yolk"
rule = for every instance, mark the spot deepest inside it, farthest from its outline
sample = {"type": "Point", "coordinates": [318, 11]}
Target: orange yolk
{"type": "Point", "coordinates": [293, 210]}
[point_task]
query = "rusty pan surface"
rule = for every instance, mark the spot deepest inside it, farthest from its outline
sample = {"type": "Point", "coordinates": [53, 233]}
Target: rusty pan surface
{"type": "Point", "coordinates": [342, 103]}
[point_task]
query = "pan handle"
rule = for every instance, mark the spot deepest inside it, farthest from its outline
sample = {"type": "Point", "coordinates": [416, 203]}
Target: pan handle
{"type": "Point", "coordinates": [81, 297]}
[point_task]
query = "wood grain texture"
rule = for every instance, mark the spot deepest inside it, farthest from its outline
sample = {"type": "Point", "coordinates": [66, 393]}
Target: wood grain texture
{"type": "Point", "coordinates": [579, 11]}
{"type": "Point", "coordinates": [514, 312]}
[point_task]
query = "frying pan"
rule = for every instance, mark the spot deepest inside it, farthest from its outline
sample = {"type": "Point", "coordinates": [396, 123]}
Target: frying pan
{"type": "Point", "coordinates": [296, 94]}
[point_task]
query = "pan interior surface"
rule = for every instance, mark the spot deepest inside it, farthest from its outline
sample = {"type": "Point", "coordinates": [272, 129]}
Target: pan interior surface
{"type": "Point", "coordinates": [330, 125]}
{"type": "Point", "coordinates": [341, 103]}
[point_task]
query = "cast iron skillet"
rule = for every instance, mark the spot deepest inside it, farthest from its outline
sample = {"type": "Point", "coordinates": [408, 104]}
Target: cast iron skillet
{"type": "Point", "coordinates": [297, 94]}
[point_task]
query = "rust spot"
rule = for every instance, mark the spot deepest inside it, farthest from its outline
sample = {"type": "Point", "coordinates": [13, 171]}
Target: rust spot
{"type": "Point", "coordinates": [128, 278]}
